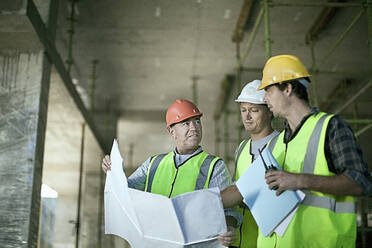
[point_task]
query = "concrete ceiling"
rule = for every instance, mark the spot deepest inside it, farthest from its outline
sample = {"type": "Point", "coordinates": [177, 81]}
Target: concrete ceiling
{"type": "Point", "coordinates": [148, 52]}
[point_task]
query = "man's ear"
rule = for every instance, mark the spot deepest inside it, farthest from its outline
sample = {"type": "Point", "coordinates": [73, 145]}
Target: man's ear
{"type": "Point", "coordinates": [170, 130]}
{"type": "Point", "coordinates": [288, 90]}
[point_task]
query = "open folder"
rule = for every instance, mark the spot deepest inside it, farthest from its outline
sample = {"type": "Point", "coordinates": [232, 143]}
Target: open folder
{"type": "Point", "coordinates": [272, 213]}
{"type": "Point", "coordinates": [149, 220]}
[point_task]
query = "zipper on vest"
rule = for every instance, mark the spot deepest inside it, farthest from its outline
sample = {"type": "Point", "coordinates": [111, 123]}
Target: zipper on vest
{"type": "Point", "coordinates": [174, 180]}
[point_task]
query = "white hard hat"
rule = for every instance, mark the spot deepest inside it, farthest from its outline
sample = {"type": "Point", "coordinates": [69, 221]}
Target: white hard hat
{"type": "Point", "coordinates": [251, 94]}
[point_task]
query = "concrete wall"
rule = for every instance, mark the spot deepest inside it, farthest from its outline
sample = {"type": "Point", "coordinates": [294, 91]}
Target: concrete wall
{"type": "Point", "coordinates": [24, 81]}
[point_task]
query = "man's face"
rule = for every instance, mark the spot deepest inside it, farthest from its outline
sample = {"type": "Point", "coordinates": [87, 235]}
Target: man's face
{"type": "Point", "coordinates": [276, 101]}
{"type": "Point", "coordinates": [187, 134]}
{"type": "Point", "coordinates": [255, 117]}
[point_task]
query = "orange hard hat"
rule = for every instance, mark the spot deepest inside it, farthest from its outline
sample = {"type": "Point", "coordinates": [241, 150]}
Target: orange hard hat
{"type": "Point", "coordinates": [181, 110]}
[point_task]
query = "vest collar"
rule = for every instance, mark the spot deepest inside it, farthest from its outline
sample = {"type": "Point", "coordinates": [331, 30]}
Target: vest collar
{"type": "Point", "coordinates": [180, 159]}
{"type": "Point", "coordinates": [288, 135]}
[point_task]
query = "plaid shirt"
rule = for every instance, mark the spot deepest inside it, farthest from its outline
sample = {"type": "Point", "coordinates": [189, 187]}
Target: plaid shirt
{"type": "Point", "coordinates": [342, 151]}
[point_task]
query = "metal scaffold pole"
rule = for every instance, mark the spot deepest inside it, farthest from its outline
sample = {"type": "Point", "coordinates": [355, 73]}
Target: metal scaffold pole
{"type": "Point", "coordinates": [362, 130]}
{"type": "Point", "coordinates": [314, 4]}
{"type": "Point", "coordinates": [195, 89]}
{"type": "Point", "coordinates": [369, 16]}
{"type": "Point", "coordinates": [238, 85]}
{"type": "Point", "coordinates": [267, 28]}
{"type": "Point", "coordinates": [226, 135]}
{"type": "Point", "coordinates": [217, 137]}
{"type": "Point", "coordinates": [93, 86]}
{"type": "Point", "coordinates": [252, 36]}
{"type": "Point", "coordinates": [100, 224]}
{"type": "Point", "coordinates": [313, 80]}
{"type": "Point", "coordinates": [81, 171]}
{"type": "Point", "coordinates": [339, 39]}
{"type": "Point", "coordinates": [354, 97]}
{"type": "Point", "coordinates": [71, 32]}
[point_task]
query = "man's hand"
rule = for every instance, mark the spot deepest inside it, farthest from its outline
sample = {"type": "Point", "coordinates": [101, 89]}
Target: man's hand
{"type": "Point", "coordinates": [283, 180]}
{"type": "Point", "coordinates": [227, 238]}
{"type": "Point", "coordinates": [231, 197]}
{"type": "Point", "coordinates": [106, 163]}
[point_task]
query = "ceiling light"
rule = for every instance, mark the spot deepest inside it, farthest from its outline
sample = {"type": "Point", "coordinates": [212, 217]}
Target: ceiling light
{"type": "Point", "coordinates": [227, 14]}
{"type": "Point", "coordinates": [157, 11]}
{"type": "Point", "coordinates": [157, 62]}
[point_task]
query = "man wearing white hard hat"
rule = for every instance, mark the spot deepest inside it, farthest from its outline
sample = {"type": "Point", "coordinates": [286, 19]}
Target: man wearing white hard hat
{"type": "Point", "coordinates": [256, 119]}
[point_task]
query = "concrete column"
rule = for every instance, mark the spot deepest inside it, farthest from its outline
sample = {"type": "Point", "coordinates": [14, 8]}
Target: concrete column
{"type": "Point", "coordinates": [24, 87]}
{"type": "Point", "coordinates": [89, 234]}
{"type": "Point", "coordinates": [91, 213]}
{"type": "Point", "coordinates": [109, 129]}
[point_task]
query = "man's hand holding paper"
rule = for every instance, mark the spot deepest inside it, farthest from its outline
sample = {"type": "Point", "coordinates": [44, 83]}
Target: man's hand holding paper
{"type": "Point", "coordinates": [147, 220]}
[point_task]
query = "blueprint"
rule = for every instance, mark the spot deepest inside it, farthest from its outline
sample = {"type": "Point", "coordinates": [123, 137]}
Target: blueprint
{"type": "Point", "coordinates": [144, 219]}
{"type": "Point", "coordinates": [272, 213]}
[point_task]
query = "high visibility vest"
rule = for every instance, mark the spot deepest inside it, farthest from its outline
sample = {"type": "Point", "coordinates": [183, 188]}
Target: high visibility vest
{"type": "Point", "coordinates": [322, 220]}
{"type": "Point", "coordinates": [164, 178]}
{"type": "Point", "coordinates": [248, 230]}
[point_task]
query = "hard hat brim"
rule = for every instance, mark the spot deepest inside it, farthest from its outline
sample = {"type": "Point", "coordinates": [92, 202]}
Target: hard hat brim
{"type": "Point", "coordinates": [250, 100]}
{"type": "Point", "coordinates": [183, 119]}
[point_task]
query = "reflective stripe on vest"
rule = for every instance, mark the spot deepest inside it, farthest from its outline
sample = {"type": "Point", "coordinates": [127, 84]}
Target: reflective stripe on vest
{"type": "Point", "coordinates": [328, 203]}
{"type": "Point", "coordinates": [309, 165]}
{"type": "Point", "coordinates": [273, 142]}
{"type": "Point", "coordinates": [312, 147]}
{"type": "Point", "coordinates": [202, 176]}
{"type": "Point", "coordinates": [248, 231]}
{"type": "Point", "coordinates": [203, 173]}
{"type": "Point", "coordinates": [153, 168]}
{"type": "Point", "coordinates": [237, 155]}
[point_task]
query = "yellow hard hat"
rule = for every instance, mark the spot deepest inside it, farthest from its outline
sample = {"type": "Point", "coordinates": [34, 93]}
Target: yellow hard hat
{"type": "Point", "coordinates": [282, 68]}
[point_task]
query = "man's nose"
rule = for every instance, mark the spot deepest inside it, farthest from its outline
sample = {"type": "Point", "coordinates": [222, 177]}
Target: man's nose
{"type": "Point", "coordinates": [193, 125]}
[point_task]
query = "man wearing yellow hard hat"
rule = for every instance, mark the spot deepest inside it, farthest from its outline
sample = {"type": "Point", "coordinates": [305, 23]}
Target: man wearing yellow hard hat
{"type": "Point", "coordinates": [318, 154]}
{"type": "Point", "coordinates": [187, 167]}
{"type": "Point", "coordinates": [256, 118]}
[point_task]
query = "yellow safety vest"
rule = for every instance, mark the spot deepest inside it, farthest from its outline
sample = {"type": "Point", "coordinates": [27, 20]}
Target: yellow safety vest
{"type": "Point", "coordinates": [322, 220]}
{"type": "Point", "coordinates": [164, 178]}
{"type": "Point", "coordinates": [248, 230]}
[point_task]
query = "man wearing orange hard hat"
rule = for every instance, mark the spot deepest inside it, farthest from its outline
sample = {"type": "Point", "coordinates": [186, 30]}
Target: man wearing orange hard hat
{"type": "Point", "coordinates": [187, 167]}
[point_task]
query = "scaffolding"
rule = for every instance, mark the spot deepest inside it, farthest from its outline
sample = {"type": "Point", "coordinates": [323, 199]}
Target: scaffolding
{"type": "Point", "coordinates": [264, 12]}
